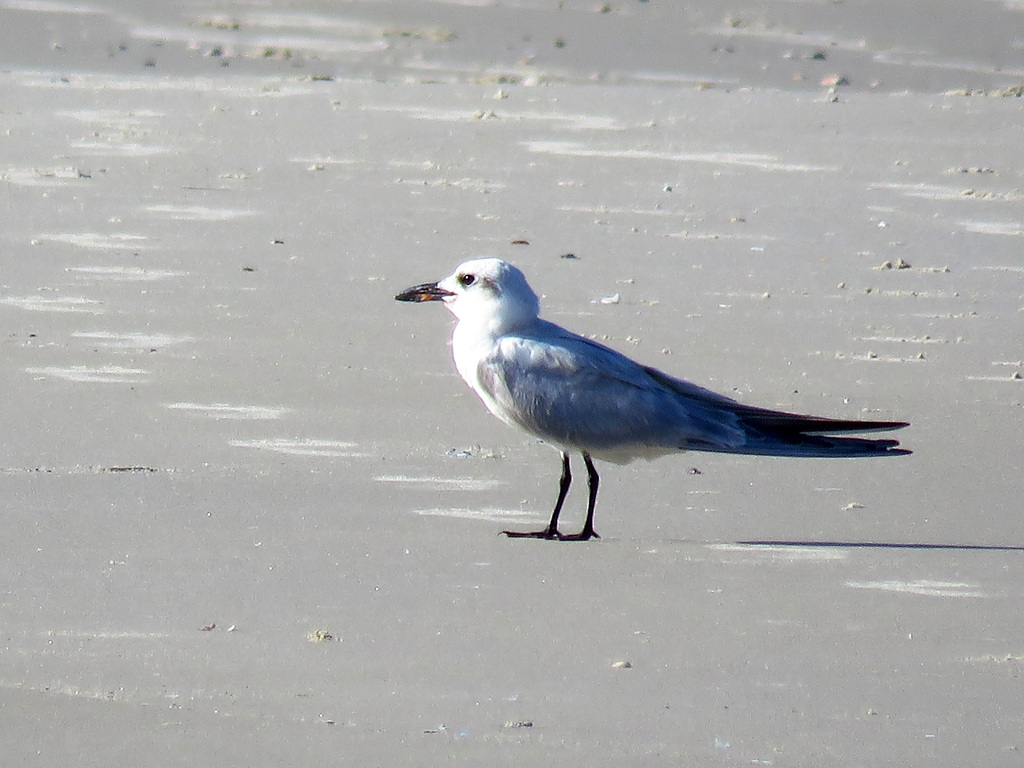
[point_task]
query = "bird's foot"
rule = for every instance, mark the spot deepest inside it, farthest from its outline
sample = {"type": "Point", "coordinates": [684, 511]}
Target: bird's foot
{"type": "Point", "coordinates": [584, 535]}
{"type": "Point", "coordinates": [550, 535]}
{"type": "Point", "coordinates": [547, 533]}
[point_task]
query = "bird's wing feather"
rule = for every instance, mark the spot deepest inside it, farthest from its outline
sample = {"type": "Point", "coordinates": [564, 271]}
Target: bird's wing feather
{"type": "Point", "coordinates": [779, 433]}
{"type": "Point", "coordinates": [578, 393]}
{"type": "Point", "coordinates": [575, 392]}
{"type": "Point", "coordinates": [765, 418]}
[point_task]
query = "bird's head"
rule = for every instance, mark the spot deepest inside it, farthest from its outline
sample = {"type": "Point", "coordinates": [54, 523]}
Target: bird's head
{"type": "Point", "coordinates": [488, 292]}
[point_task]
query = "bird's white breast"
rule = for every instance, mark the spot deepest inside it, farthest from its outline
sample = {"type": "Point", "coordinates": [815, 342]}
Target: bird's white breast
{"type": "Point", "coordinates": [470, 347]}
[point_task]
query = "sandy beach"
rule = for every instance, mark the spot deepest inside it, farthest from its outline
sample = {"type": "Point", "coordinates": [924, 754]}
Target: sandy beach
{"type": "Point", "coordinates": [250, 512]}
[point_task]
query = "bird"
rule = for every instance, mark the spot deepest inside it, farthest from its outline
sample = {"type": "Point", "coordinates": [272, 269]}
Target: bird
{"type": "Point", "coordinates": [580, 396]}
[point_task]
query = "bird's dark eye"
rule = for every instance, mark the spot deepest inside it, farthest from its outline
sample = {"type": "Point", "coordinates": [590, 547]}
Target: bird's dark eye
{"type": "Point", "coordinates": [466, 280]}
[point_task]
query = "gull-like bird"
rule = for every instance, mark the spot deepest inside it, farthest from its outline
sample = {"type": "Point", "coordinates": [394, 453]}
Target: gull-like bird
{"type": "Point", "coordinates": [578, 395]}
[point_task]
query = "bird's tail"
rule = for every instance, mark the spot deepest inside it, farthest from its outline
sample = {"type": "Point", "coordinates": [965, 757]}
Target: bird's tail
{"type": "Point", "coordinates": [779, 433]}
{"type": "Point", "coordinates": [776, 433]}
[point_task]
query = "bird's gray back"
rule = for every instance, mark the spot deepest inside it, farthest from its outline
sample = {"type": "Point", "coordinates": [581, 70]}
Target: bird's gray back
{"type": "Point", "coordinates": [577, 393]}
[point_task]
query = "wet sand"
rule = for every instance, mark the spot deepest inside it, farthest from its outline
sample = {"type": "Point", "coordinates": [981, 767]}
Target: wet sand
{"type": "Point", "coordinates": [223, 436]}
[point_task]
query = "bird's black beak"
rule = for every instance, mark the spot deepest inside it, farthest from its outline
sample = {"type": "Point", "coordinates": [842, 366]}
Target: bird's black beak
{"type": "Point", "coordinates": [425, 292]}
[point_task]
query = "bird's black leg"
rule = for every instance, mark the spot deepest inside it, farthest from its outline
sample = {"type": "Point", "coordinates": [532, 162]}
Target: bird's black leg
{"type": "Point", "coordinates": [551, 532]}
{"type": "Point", "coordinates": [588, 531]}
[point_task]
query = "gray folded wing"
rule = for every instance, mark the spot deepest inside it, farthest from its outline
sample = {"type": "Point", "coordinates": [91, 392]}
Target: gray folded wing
{"type": "Point", "coordinates": [579, 394]}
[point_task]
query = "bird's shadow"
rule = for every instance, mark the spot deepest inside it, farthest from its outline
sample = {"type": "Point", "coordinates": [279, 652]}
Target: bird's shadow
{"type": "Point", "coordinates": [883, 545]}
